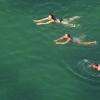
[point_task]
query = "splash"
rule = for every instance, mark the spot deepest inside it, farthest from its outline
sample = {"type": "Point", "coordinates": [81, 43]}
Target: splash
{"type": "Point", "coordinates": [84, 61]}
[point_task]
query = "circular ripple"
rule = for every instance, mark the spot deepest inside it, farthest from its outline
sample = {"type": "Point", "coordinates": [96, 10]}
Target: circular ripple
{"type": "Point", "coordinates": [82, 70]}
{"type": "Point", "coordinates": [86, 72]}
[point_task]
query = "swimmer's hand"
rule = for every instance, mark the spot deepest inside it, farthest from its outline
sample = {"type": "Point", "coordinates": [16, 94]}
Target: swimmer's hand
{"type": "Point", "coordinates": [58, 43]}
{"type": "Point", "coordinates": [38, 23]}
{"type": "Point", "coordinates": [95, 42]}
{"type": "Point", "coordinates": [55, 40]}
{"type": "Point", "coordinates": [35, 20]}
{"type": "Point", "coordinates": [90, 65]}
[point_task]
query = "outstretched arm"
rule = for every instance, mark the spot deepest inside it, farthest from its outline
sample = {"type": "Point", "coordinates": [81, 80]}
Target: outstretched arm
{"type": "Point", "coordinates": [66, 42]}
{"type": "Point", "coordinates": [40, 20]}
{"type": "Point", "coordinates": [42, 23]}
{"type": "Point", "coordinates": [61, 38]}
{"type": "Point", "coordinates": [90, 65]}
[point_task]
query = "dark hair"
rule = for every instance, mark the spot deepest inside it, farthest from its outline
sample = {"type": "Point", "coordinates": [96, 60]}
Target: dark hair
{"type": "Point", "coordinates": [68, 35]}
{"type": "Point", "coordinates": [61, 19]}
{"type": "Point", "coordinates": [96, 64]}
{"type": "Point", "coordinates": [53, 17]}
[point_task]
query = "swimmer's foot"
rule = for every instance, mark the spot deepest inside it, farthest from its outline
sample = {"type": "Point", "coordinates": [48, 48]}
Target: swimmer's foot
{"type": "Point", "coordinates": [72, 25]}
{"type": "Point", "coordinates": [76, 17]}
{"type": "Point", "coordinates": [73, 18]}
{"type": "Point", "coordinates": [94, 42]}
{"type": "Point", "coordinates": [78, 25]}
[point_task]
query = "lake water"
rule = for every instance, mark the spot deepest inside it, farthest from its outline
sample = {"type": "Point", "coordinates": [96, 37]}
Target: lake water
{"type": "Point", "coordinates": [32, 66]}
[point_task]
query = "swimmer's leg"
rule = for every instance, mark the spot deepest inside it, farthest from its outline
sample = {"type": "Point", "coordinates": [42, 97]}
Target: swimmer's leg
{"type": "Point", "coordinates": [66, 22]}
{"type": "Point", "coordinates": [87, 43]}
{"type": "Point", "coordinates": [72, 25]}
{"type": "Point", "coordinates": [74, 18]}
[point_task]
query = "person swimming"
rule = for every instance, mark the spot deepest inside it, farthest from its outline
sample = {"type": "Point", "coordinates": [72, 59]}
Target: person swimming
{"type": "Point", "coordinates": [69, 39]}
{"type": "Point", "coordinates": [95, 66]}
{"type": "Point", "coordinates": [51, 19]}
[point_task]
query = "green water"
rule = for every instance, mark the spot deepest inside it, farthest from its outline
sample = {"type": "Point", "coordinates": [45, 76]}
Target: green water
{"type": "Point", "coordinates": [32, 67]}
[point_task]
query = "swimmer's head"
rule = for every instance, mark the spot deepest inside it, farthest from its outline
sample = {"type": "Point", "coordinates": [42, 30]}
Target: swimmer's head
{"type": "Point", "coordinates": [52, 17]}
{"type": "Point", "coordinates": [67, 36]}
{"type": "Point", "coordinates": [94, 65]}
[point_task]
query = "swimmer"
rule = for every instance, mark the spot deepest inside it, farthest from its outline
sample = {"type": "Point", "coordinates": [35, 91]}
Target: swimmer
{"type": "Point", "coordinates": [95, 66]}
{"type": "Point", "coordinates": [51, 19]}
{"type": "Point", "coordinates": [69, 39]}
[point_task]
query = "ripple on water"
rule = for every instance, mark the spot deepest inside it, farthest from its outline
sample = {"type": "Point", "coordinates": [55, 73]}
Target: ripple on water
{"type": "Point", "coordinates": [83, 71]}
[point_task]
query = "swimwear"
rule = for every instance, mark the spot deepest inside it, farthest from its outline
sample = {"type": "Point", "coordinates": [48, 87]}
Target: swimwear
{"type": "Point", "coordinates": [76, 40]}
{"type": "Point", "coordinates": [58, 20]}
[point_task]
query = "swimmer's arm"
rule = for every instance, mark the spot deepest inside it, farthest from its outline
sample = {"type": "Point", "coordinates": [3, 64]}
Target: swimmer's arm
{"type": "Point", "coordinates": [90, 65]}
{"type": "Point", "coordinates": [66, 42]}
{"type": "Point", "coordinates": [59, 39]}
{"type": "Point", "coordinates": [40, 20]}
{"type": "Point", "coordinates": [42, 23]}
